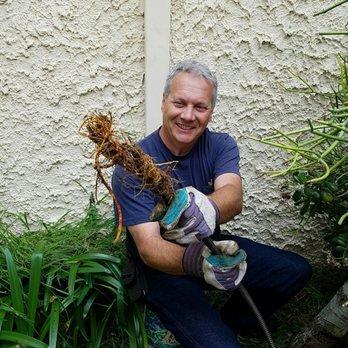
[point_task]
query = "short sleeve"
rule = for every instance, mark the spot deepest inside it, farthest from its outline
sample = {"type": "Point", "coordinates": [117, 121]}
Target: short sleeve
{"type": "Point", "coordinates": [136, 203]}
{"type": "Point", "coordinates": [227, 159]}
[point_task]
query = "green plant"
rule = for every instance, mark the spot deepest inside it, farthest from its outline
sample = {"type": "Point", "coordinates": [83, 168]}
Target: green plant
{"type": "Point", "coordinates": [318, 164]}
{"type": "Point", "coordinates": [19, 306]}
{"type": "Point", "coordinates": [317, 167]}
{"type": "Point", "coordinates": [60, 285]}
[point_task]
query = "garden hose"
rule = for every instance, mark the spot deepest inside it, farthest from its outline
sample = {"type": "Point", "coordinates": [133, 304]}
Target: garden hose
{"type": "Point", "coordinates": [214, 250]}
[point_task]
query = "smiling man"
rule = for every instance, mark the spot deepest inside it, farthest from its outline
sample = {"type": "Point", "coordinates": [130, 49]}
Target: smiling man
{"type": "Point", "coordinates": [187, 109]}
{"type": "Point", "coordinates": [170, 253]}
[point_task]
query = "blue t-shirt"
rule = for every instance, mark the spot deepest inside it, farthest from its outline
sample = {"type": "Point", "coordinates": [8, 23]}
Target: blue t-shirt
{"type": "Point", "coordinates": [212, 155]}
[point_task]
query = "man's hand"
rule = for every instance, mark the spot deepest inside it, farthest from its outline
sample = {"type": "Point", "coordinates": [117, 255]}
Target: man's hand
{"type": "Point", "coordinates": [193, 214]}
{"type": "Point", "coordinates": [225, 272]}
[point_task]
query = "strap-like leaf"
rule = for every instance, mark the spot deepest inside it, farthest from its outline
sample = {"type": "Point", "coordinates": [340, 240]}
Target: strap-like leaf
{"type": "Point", "coordinates": [94, 256]}
{"type": "Point", "coordinates": [21, 339]}
{"type": "Point", "coordinates": [72, 277]}
{"type": "Point", "coordinates": [82, 294]}
{"type": "Point", "coordinates": [78, 318]}
{"type": "Point", "coordinates": [16, 290]}
{"type": "Point", "coordinates": [89, 303]}
{"type": "Point", "coordinates": [45, 327]}
{"type": "Point", "coordinates": [93, 267]}
{"type": "Point", "coordinates": [48, 286]}
{"type": "Point", "coordinates": [34, 287]}
{"type": "Point", "coordinates": [110, 280]}
{"type": "Point", "coordinates": [5, 302]}
{"type": "Point", "coordinates": [54, 323]}
{"type": "Point", "coordinates": [100, 330]}
{"type": "Point", "coordinates": [115, 269]}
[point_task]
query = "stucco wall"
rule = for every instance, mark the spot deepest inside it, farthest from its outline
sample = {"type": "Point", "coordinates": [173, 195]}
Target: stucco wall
{"type": "Point", "coordinates": [58, 61]}
{"type": "Point", "coordinates": [251, 45]}
{"type": "Point", "coordinates": [62, 59]}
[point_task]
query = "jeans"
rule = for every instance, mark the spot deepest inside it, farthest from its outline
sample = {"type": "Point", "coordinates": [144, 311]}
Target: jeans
{"type": "Point", "coordinates": [273, 276]}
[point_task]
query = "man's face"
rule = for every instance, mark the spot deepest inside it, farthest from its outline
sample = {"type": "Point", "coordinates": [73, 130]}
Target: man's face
{"type": "Point", "coordinates": [186, 110]}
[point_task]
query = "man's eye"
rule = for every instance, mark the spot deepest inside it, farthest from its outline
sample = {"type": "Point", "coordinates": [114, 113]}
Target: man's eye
{"type": "Point", "coordinates": [201, 108]}
{"type": "Point", "coordinates": [178, 104]}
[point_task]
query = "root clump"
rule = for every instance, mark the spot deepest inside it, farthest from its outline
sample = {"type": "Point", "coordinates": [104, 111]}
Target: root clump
{"type": "Point", "coordinates": [117, 148]}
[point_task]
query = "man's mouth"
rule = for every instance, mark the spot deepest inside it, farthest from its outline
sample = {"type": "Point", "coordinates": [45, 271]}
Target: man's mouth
{"type": "Point", "coordinates": [185, 126]}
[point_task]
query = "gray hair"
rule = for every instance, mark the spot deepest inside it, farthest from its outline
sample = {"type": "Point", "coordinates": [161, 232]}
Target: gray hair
{"type": "Point", "coordinates": [192, 67]}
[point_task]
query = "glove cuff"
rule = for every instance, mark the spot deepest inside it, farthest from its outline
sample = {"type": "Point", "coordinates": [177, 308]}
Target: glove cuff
{"type": "Point", "coordinates": [217, 211]}
{"type": "Point", "coordinates": [192, 260]}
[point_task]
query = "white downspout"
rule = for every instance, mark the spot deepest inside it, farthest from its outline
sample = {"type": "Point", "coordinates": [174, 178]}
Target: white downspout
{"type": "Point", "coordinates": [157, 37]}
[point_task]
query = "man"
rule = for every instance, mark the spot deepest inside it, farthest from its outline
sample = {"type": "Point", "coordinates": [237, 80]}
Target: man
{"type": "Point", "coordinates": [177, 266]}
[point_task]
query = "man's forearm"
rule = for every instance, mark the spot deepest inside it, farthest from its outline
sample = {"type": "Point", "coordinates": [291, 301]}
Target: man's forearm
{"type": "Point", "coordinates": [157, 252]}
{"type": "Point", "coordinates": [228, 197]}
{"type": "Point", "coordinates": [167, 257]}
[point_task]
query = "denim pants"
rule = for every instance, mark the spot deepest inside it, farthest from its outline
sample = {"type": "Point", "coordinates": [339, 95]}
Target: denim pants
{"type": "Point", "coordinates": [273, 276]}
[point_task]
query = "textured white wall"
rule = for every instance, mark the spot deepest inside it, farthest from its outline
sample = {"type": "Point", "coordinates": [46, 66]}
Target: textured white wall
{"type": "Point", "coordinates": [62, 59]}
{"type": "Point", "coordinates": [58, 61]}
{"type": "Point", "coordinates": [251, 45]}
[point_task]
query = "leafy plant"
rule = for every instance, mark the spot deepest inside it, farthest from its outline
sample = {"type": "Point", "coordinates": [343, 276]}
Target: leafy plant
{"type": "Point", "coordinates": [318, 164]}
{"type": "Point", "coordinates": [61, 285]}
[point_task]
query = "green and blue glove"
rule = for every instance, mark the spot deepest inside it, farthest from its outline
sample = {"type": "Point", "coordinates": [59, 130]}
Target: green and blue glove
{"type": "Point", "coordinates": [224, 272]}
{"type": "Point", "coordinates": [191, 217]}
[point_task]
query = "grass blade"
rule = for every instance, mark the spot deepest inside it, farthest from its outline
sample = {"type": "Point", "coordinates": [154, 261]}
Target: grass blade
{"type": "Point", "coordinates": [5, 302]}
{"type": "Point", "coordinates": [115, 270]}
{"type": "Point", "coordinates": [54, 323]}
{"type": "Point", "coordinates": [93, 328]}
{"type": "Point", "coordinates": [89, 303]}
{"type": "Point", "coordinates": [82, 294]}
{"type": "Point", "coordinates": [34, 287]}
{"type": "Point", "coordinates": [72, 277]}
{"type": "Point", "coordinates": [78, 316]}
{"type": "Point", "coordinates": [100, 331]}
{"type": "Point", "coordinates": [121, 310]}
{"type": "Point", "coordinates": [93, 267]}
{"type": "Point", "coordinates": [139, 315]}
{"type": "Point", "coordinates": [8, 309]}
{"type": "Point", "coordinates": [48, 286]}
{"type": "Point", "coordinates": [74, 297]}
{"type": "Point", "coordinates": [116, 284]}
{"type": "Point", "coordinates": [16, 290]}
{"type": "Point", "coordinates": [94, 256]}
{"type": "Point", "coordinates": [21, 339]}
{"type": "Point", "coordinates": [45, 328]}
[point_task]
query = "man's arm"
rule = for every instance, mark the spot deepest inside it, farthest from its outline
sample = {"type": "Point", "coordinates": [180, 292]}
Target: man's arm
{"type": "Point", "coordinates": [228, 196]}
{"type": "Point", "coordinates": [155, 251]}
{"type": "Point", "coordinates": [166, 256]}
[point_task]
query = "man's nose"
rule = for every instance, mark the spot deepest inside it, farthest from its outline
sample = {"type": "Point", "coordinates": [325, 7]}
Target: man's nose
{"type": "Point", "coordinates": [188, 114]}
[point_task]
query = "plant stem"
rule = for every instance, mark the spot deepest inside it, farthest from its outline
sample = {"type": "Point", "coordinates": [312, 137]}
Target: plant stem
{"type": "Point", "coordinates": [334, 33]}
{"type": "Point", "coordinates": [336, 111]}
{"type": "Point", "coordinates": [297, 131]}
{"type": "Point", "coordinates": [325, 175]}
{"type": "Point", "coordinates": [331, 7]}
{"type": "Point", "coordinates": [340, 127]}
{"type": "Point", "coordinates": [342, 218]}
{"type": "Point", "coordinates": [341, 115]}
{"type": "Point", "coordinates": [338, 163]}
{"type": "Point", "coordinates": [330, 136]}
{"type": "Point", "coordinates": [283, 172]}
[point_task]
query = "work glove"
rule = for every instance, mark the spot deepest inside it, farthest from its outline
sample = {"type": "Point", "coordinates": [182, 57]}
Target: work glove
{"type": "Point", "coordinates": [224, 272]}
{"type": "Point", "coordinates": [190, 217]}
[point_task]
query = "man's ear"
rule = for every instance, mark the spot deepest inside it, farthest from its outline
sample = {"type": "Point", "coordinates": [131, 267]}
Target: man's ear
{"type": "Point", "coordinates": [162, 103]}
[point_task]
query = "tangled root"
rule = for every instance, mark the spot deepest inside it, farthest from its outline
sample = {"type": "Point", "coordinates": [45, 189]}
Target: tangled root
{"type": "Point", "coordinates": [117, 148]}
